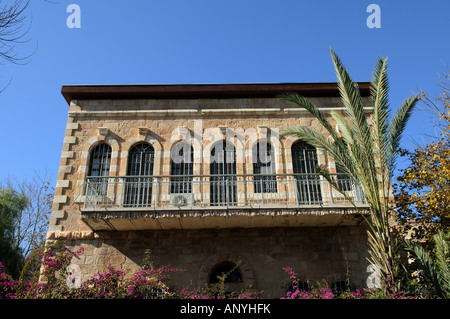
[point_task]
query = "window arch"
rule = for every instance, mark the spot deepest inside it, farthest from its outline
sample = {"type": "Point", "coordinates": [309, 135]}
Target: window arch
{"type": "Point", "coordinates": [182, 163]}
{"type": "Point", "coordinates": [223, 188]}
{"type": "Point", "coordinates": [229, 270]}
{"type": "Point", "coordinates": [138, 187]}
{"type": "Point", "coordinates": [99, 164]}
{"type": "Point", "coordinates": [304, 158]}
{"type": "Point", "coordinates": [100, 160]}
{"type": "Point", "coordinates": [304, 162]}
{"type": "Point", "coordinates": [140, 160]}
{"type": "Point", "coordinates": [264, 165]}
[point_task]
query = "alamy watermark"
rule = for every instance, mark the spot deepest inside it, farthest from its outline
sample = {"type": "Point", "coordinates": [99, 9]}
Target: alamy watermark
{"type": "Point", "coordinates": [374, 19]}
{"type": "Point", "coordinates": [374, 279]}
{"type": "Point", "coordinates": [73, 278]}
{"type": "Point", "coordinates": [74, 19]}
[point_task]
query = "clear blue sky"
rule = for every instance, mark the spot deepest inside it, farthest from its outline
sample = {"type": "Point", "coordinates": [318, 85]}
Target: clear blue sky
{"type": "Point", "coordinates": [209, 41]}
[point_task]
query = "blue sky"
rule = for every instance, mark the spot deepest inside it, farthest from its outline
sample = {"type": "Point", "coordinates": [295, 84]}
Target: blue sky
{"type": "Point", "coordinates": [210, 41]}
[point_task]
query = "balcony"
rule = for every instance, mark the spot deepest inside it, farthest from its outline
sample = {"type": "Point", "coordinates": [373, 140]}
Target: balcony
{"type": "Point", "coordinates": [219, 201]}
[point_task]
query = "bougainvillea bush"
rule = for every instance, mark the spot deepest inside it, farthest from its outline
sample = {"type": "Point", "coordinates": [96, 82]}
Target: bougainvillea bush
{"type": "Point", "coordinates": [53, 281]}
{"type": "Point", "coordinates": [323, 291]}
{"type": "Point", "coordinates": [149, 282]}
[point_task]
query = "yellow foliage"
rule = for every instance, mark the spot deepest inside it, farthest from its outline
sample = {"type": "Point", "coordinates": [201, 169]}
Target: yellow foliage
{"type": "Point", "coordinates": [423, 189]}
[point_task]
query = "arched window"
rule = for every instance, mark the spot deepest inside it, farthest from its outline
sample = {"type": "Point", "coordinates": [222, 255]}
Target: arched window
{"type": "Point", "coordinates": [228, 270]}
{"type": "Point", "coordinates": [138, 186]}
{"type": "Point", "coordinates": [264, 165]}
{"type": "Point", "coordinates": [223, 188]}
{"type": "Point", "coordinates": [304, 161]}
{"type": "Point", "coordinates": [100, 161]}
{"type": "Point", "coordinates": [182, 164]}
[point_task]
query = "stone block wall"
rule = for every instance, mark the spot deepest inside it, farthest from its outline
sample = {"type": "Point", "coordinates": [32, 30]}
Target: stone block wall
{"type": "Point", "coordinates": [315, 253]}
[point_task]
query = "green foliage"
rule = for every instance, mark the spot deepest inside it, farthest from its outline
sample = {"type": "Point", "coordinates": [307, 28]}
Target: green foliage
{"type": "Point", "coordinates": [11, 205]}
{"type": "Point", "coordinates": [433, 267]}
{"type": "Point", "coordinates": [366, 151]}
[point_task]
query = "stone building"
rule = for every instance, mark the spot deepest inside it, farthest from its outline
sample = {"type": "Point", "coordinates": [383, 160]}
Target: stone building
{"type": "Point", "coordinates": [199, 175]}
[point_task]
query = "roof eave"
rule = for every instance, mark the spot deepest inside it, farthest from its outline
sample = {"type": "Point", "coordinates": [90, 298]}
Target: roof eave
{"type": "Point", "coordinates": [198, 91]}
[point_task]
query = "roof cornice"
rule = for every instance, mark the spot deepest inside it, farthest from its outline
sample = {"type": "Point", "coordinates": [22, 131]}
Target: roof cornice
{"type": "Point", "coordinates": [202, 91]}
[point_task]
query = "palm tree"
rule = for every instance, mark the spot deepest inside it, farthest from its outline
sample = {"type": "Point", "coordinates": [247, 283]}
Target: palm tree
{"type": "Point", "coordinates": [365, 151]}
{"type": "Point", "coordinates": [435, 267]}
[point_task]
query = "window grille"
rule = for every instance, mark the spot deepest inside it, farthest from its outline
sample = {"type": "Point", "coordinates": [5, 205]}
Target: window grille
{"type": "Point", "coordinates": [304, 161]}
{"type": "Point", "coordinates": [182, 162]}
{"type": "Point", "coordinates": [264, 164]}
{"type": "Point", "coordinates": [223, 188]}
{"type": "Point", "coordinates": [138, 188]}
{"type": "Point", "coordinates": [99, 166]}
{"type": "Point", "coordinates": [344, 181]}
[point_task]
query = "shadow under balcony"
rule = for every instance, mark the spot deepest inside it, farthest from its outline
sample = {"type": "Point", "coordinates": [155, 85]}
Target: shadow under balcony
{"type": "Point", "coordinates": [125, 203]}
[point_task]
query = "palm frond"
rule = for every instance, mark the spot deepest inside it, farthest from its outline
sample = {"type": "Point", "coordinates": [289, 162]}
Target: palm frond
{"type": "Point", "coordinates": [396, 128]}
{"type": "Point", "coordinates": [311, 108]}
{"type": "Point", "coordinates": [430, 271]}
{"type": "Point", "coordinates": [344, 127]}
{"type": "Point", "coordinates": [337, 149]}
{"type": "Point", "coordinates": [351, 98]}
{"type": "Point", "coordinates": [310, 136]}
{"type": "Point", "coordinates": [442, 253]}
{"type": "Point", "coordinates": [379, 93]}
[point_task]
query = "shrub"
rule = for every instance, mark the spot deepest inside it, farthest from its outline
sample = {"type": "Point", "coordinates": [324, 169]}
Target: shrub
{"type": "Point", "coordinates": [322, 291]}
{"type": "Point", "coordinates": [149, 282]}
{"type": "Point", "coordinates": [8, 286]}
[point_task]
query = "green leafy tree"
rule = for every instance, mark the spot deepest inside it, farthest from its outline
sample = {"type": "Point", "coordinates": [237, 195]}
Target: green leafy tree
{"type": "Point", "coordinates": [11, 205]}
{"type": "Point", "coordinates": [366, 152]}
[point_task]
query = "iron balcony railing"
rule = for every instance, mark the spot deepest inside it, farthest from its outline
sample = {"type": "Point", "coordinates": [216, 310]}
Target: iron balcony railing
{"type": "Point", "coordinates": [217, 190]}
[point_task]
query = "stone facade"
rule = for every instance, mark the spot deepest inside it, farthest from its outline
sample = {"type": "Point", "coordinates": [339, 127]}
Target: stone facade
{"type": "Point", "coordinates": [325, 240]}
